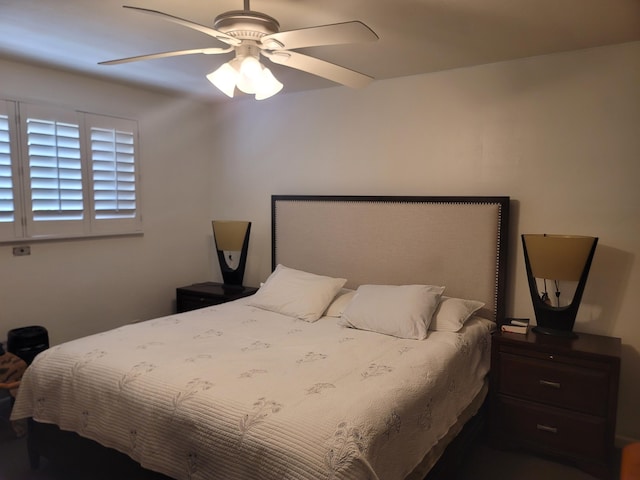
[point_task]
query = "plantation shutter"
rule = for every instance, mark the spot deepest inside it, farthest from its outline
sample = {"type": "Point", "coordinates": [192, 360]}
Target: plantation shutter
{"type": "Point", "coordinates": [113, 170]}
{"type": "Point", "coordinates": [7, 209]}
{"type": "Point", "coordinates": [51, 140]}
{"type": "Point", "coordinates": [10, 220]}
{"type": "Point", "coordinates": [114, 179]}
{"type": "Point", "coordinates": [55, 170]}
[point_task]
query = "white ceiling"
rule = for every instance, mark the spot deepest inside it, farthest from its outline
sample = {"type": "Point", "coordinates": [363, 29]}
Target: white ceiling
{"type": "Point", "coordinates": [416, 36]}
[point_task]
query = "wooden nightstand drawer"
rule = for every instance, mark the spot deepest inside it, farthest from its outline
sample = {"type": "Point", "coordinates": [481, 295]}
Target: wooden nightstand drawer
{"type": "Point", "coordinates": [552, 430]}
{"type": "Point", "coordinates": [569, 386]}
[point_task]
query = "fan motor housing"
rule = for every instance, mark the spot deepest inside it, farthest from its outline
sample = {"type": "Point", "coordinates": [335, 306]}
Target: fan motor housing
{"type": "Point", "coordinates": [246, 24]}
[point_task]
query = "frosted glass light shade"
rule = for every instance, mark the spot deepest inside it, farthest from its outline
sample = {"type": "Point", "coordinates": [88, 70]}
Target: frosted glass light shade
{"type": "Point", "coordinates": [251, 68]}
{"type": "Point", "coordinates": [225, 79]}
{"type": "Point", "coordinates": [269, 85]}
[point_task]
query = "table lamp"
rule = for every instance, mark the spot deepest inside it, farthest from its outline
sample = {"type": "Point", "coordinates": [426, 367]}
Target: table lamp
{"type": "Point", "coordinates": [557, 258]}
{"type": "Point", "coordinates": [232, 242]}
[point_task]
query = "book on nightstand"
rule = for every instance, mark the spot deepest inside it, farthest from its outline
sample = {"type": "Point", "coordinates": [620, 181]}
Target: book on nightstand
{"type": "Point", "coordinates": [515, 325]}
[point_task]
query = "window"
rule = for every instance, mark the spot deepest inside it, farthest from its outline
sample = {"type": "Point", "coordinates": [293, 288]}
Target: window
{"type": "Point", "coordinates": [69, 174]}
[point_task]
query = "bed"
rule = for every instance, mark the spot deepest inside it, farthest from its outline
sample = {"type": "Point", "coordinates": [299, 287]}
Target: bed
{"type": "Point", "coordinates": [331, 370]}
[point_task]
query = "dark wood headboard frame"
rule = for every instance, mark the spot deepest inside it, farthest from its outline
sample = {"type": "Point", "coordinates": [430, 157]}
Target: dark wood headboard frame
{"type": "Point", "coordinates": [499, 204]}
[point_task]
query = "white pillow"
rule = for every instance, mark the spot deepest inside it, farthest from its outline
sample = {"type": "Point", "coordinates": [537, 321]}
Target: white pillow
{"type": "Point", "coordinates": [296, 293]}
{"type": "Point", "coordinates": [403, 311]}
{"type": "Point", "coordinates": [339, 303]}
{"type": "Point", "coordinates": [452, 313]}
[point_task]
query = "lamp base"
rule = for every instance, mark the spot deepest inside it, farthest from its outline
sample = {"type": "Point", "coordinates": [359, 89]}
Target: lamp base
{"type": "Point", "coordinates": [553, 332]}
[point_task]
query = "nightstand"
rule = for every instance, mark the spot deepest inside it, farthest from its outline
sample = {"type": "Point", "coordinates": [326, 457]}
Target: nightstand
{"type": "Point", "coordinates": [556, 396]}
{"type": "Point", "coordinates": [205, 294]}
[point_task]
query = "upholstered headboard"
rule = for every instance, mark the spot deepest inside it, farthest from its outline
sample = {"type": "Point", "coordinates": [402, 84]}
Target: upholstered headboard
{"type": "Point", "coordinates": [458, 242]}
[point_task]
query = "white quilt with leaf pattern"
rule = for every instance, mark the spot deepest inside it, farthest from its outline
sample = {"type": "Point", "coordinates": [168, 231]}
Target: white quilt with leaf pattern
{"type": "Point", "coordinates": [234, 392]}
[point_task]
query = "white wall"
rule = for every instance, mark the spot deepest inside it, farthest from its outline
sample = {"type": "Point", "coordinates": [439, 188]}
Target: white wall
{"type": "Point", "coordinates": [560, 134]}
{"type": "Point", "coordinates": [79, 287]}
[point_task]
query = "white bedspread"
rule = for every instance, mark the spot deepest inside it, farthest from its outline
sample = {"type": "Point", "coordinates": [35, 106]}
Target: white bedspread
{"type": "Point", "coordinates": [234, 392]}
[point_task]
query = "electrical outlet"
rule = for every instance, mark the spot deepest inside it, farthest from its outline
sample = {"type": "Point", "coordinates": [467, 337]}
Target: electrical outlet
{"type": "Point", "coordinates": [21, 251]}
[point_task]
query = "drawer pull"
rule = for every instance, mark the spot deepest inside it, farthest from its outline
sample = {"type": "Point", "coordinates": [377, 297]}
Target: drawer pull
{"type": "Point", "coordinates": [546, 383]}
{"type": "Point", "coordinates": [546, 428]}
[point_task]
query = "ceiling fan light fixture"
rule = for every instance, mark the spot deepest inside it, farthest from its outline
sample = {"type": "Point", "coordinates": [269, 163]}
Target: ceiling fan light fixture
{"type": "Point", "coordinates": [248, 75]}
{"type": "Point", "coordinates": [252, 34]}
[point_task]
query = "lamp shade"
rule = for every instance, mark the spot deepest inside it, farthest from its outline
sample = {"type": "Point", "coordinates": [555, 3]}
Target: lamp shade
{"type": "Point", "coordinates": [230, 234]}
{"type": "Point", "coordinates": [558, 258]}
{"type": "Point", "coordinates": [232, 243]}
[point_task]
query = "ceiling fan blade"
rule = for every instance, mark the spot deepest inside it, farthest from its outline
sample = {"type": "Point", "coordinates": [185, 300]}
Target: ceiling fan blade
{"type": "Point", "coordinates": [318, 67]}
{"type": "Point", "coordinates": [334, 34]}
{"type": "Point", "coordinates": [176, 53]}
{"type": "Point", "coordinates": [223, 37]}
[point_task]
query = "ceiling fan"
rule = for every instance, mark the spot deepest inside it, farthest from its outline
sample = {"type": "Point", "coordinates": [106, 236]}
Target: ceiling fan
{"type": "Point", "coordinates": [252, 34]}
